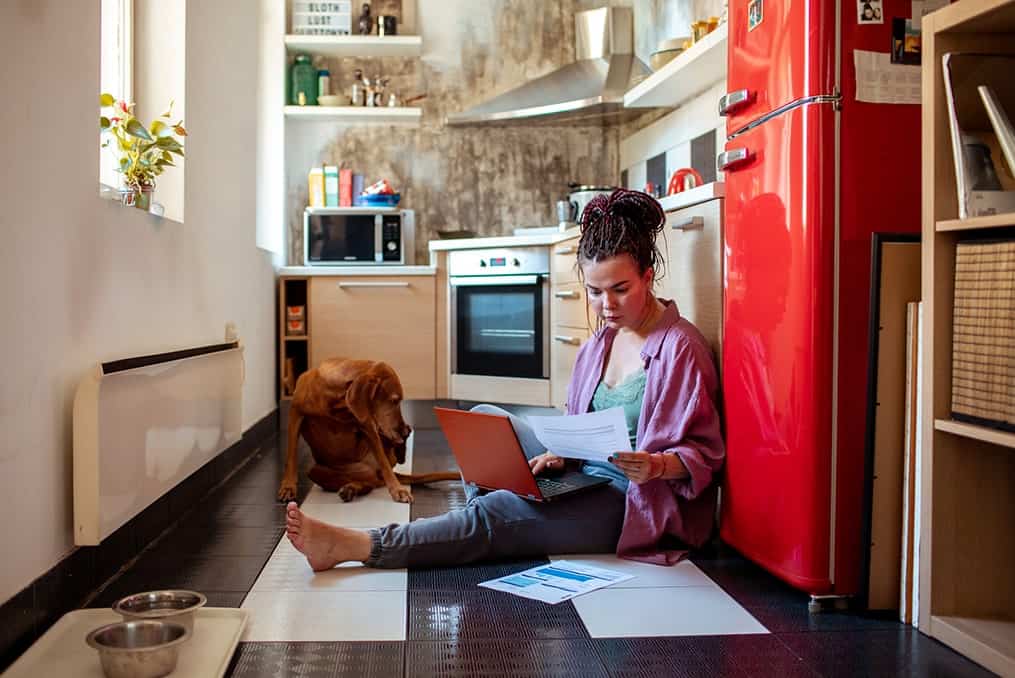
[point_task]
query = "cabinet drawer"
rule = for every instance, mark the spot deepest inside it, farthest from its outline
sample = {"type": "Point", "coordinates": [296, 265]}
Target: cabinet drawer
{"type": "Point", "coordinates": [567, 306]}
{"type": "Point", "coordinates": [564, 345]}
{"type": "Point", "coordinates": [563, 258]}
{"type": "Point", "coordinates": [387, 318]}
{"type": "Point", "coordinates": [693, 250]}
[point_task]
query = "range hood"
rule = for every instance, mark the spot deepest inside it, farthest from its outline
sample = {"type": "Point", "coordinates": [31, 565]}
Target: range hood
{"type": "Point", "coordinates": [589, 91]}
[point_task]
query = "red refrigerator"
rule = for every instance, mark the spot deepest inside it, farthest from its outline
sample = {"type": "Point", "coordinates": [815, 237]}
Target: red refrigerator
{"type": "Point", "coordinates": [810, 175]}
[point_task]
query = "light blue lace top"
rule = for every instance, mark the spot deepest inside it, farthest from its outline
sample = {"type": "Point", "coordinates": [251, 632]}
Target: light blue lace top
{"type": "Point", "coordinates": [628, 395]}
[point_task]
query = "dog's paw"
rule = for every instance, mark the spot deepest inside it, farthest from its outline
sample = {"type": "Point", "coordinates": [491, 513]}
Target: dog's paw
{"type": "Point", "coordinates": [401, 494]}
{"type": "Point", "coordinates": [287, 492]}
{"type": "Point", "coordinates": [347, 493]}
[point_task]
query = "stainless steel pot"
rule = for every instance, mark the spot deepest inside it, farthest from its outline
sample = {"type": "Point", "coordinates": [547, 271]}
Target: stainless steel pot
{"type": "Point", "coordinates": [580, 196]}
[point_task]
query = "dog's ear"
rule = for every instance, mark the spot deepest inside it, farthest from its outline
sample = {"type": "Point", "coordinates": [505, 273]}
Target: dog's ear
{"type": "Point", "coordinates": [360, 396]}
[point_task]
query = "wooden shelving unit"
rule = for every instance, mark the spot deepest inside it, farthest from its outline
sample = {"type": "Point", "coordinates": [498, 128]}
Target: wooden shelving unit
{"type": "Point", "coordinates": [356, 45]}
{"type": "Point", "coordinates": [967, 504]}
{"type": "Point", "coordinates": [293, 291]}
{"type": "Point", "coordinates": [701, 65]}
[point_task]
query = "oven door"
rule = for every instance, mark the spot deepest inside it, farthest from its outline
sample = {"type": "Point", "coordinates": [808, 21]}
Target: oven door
{"type": "Point", "coordinates": [498, 326]}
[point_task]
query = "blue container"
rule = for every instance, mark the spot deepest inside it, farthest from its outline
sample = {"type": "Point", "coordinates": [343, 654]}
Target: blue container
{"type": "Point", "coordinates": [381, 200]}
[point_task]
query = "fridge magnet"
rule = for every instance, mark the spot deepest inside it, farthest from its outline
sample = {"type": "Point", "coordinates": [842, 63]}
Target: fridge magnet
{"type": "Point", "coordinates": [755, 13]}
{"type": "Point", "coordinates": [869, 12]}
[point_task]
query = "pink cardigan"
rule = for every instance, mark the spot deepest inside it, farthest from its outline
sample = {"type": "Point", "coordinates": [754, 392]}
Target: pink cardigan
{"type": "Point", "coordinates": [678, 416]}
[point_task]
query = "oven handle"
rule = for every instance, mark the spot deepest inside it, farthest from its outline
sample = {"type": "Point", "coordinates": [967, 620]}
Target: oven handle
{"type": "Point", "coordinates": [495, 280]}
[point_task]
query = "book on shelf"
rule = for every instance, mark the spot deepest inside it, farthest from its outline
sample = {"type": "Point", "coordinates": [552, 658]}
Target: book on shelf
{"type": "Point", "coordinates": [984, 179]}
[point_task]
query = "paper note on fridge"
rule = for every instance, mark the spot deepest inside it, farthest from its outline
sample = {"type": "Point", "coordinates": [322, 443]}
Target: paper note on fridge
{"type": "Point", "coordinates": [593, 436]}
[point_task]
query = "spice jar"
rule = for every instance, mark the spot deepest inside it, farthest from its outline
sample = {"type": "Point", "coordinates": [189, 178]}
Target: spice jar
{"type": "Point", "coordinates": [304, 80]}
{"type": "Point", "coordinates": [699, 29]}
{"type": "Point", "coordinates": [323, 82]}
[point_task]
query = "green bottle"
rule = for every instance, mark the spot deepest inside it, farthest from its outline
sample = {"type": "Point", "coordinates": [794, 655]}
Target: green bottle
{"type": "Point", "coordinates": [304, 82]}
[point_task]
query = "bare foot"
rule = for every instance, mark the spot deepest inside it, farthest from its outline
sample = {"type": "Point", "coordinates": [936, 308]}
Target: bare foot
{"type": "Point", "coordinates": [325, 546]}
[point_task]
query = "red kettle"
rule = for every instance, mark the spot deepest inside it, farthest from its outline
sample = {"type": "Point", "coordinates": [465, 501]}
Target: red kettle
{"type": "Point", "coordinates": [683, 179]}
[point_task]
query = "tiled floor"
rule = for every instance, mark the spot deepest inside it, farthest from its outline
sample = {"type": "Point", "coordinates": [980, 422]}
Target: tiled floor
{"type": "Point", "coordinates": [715, 615]}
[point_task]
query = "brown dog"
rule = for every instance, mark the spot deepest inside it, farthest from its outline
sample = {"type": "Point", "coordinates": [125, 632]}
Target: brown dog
{"type": "Point", "coordinates": [349, 412]}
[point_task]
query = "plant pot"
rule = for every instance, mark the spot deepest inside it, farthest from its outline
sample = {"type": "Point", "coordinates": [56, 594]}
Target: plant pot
{"type": "Point", "coordinates": [139, 198]}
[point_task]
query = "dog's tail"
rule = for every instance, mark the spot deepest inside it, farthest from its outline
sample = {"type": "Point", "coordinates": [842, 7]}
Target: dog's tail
{"type": "Point", "coordinates": [422, 478]}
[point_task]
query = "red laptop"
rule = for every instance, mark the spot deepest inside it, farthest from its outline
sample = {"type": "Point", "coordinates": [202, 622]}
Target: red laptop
{"type": "Point", "coordinates": [490, 456]}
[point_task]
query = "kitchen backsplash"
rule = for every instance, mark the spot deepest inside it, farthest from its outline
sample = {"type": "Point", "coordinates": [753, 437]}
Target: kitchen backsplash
{"type": "Point", "coordinates": [485, 179]}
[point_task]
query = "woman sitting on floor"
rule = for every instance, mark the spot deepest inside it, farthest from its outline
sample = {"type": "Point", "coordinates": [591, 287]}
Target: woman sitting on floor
{"type": "Point", "coordinates": [645, 358]}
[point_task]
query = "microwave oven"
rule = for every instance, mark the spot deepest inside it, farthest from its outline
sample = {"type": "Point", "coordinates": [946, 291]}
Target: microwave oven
{"type": "Point", "coordinates": [341, 236]}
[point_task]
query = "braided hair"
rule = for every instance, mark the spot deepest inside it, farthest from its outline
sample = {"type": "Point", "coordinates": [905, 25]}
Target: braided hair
{"type": "Point", "coordinates": [624, 222]}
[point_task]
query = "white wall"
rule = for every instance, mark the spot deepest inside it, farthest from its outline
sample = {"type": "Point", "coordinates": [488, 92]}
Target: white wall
{"type": "Point", "coordinates": [160, 78]}
{"type": "Point", "coordinates": [85, 280]}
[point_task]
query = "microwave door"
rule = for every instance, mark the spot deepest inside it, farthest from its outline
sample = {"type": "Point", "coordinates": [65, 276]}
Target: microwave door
{"type": "Point", "coordinates": [341, 238]}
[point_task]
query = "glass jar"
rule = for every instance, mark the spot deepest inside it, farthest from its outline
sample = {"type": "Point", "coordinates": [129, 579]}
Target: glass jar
{"type": "Point", "coordinates": [304, 79]}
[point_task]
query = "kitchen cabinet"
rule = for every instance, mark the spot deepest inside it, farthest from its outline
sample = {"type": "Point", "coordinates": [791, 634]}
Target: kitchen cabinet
{"type": "Point", "coordinates": [966, 503]}
{"type": "Point", "coordinates": [569, 324]}
{"type": "Point", "coordinates": [375, 317]}
{"type": "Point", "coordinates": [692, 246]}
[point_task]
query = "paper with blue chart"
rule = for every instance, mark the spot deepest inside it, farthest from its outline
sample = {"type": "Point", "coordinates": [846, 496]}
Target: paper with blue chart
{"type": "Point", "coordinates": [556, 582]}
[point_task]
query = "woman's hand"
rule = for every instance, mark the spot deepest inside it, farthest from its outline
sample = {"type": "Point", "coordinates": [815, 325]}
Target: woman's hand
{"type": "Point", "coordinates": [547, 461]}
{"type": "Point", "coordinates": [639, 466]}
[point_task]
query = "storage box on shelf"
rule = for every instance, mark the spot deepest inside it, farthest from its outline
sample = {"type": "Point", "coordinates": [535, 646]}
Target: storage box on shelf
{"type": "Point", "coordinates": [967, 593]}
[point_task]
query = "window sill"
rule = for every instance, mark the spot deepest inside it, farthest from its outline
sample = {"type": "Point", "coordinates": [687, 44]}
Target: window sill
{"type": "Point", "coordinates": [156, 210]}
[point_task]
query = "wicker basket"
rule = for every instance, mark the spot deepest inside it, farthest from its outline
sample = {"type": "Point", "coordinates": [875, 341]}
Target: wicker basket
{"type": "Point", "coordinates": [983, 340]}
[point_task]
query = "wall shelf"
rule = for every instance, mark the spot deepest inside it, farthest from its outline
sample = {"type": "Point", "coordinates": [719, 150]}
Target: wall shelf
{"type": "Point", "coordinates": [992, 221]}
{"type": "Point", "coordinates": [384, 115]}
{"type": "Point", "coordinates": [690, 73]}
{"type": "Point", "coordinates": [356, 45]}
{"type": "Point", "coordinates": [987, 435]}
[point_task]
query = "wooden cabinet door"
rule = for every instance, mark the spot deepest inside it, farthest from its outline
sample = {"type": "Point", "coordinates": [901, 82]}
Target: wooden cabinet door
{"type": "Point", "coordinates": [565, 342]}
{"type": "Point", "coordinates": [389, 318]}
{"type": "Point", "coordinates": [693, 242]}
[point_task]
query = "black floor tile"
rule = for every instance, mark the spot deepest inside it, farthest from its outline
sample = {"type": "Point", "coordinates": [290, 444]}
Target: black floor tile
{"type": "Point", "coordinates": [318, 660]}
{"type": "Point", "coordinates": [465, 577]}
{"type": "Point", "coordinates": [793, 617]}
{"type": "Point", "coordinates": [759, 655]}
{"type": "Point", "coordinates": [506, 658]}
{"type": "Point", "coordinates": [652, 657]}
{"type": "Point", "coordinates": [436, 499]}
{"type": "Point", "coordinates": [197, 573]}
{"type": "Point", "coordinates": [902, 652]}
{"type": "Point", "coordinates": [482, 614]}
{"type": "Point", "coordinates": [213, 512]}
{"type": "Point", "coordinates": [220, 540]}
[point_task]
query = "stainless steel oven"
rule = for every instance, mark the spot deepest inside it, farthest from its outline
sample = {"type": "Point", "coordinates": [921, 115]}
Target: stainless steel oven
{"type": "Point", "coordinates": [500, 306]}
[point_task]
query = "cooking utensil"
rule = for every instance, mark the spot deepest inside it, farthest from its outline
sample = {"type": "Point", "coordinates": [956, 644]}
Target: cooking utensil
{"type": "Point", "coordinates": [582, 195]}
{"type": "Point", "coordinates": [138, 648]}
{"type": "Point", "coordinates": [171, 605]}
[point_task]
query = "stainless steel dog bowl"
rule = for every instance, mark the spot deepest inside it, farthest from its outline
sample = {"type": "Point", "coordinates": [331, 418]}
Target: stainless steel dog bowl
{"type": "Point", "coordinates": [138, 649]}
{"type": "Point", "coordinates": [174, 605]}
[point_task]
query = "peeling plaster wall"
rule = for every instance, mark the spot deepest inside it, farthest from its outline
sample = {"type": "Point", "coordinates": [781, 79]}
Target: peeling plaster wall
{"type": "Point", "coordinates": [485, 179]}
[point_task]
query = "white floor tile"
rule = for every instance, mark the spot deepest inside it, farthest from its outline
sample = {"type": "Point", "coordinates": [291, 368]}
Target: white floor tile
{"type": "Point", "coordinates": [322, 616]}
{"type": "Point", "coordinates": [674, 611]}
{"type": "Point", "coordinates": [292, 573]}
{"type": "Point", "coordinates": [371, 510]}
{"type": "Point", "coordinates": [684, 573]}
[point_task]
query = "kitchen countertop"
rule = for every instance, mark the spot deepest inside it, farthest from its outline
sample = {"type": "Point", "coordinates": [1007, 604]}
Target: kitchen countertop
{"type": "Point", "coordinates": [356, 270]}
{"type": "Point", "coordinates": [502, 241]}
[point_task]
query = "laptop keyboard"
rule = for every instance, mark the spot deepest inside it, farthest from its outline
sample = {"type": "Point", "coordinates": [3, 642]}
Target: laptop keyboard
{"type": "Point", "coordinates": [550, 487]}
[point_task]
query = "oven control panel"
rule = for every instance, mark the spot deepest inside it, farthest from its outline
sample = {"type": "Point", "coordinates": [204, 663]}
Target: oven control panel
{"type": "Point", "coordinates": [502, 261]}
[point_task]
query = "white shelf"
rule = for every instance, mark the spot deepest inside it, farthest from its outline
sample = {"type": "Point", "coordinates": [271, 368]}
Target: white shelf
{"type": "Point", "coordinates": [403, 115]}
{"type": "Point", "coordinates": [690, 73]}
{"type": "Point", "coordinates": [693, 196]}
{"type": "Point", "coordinates": [356, 45]}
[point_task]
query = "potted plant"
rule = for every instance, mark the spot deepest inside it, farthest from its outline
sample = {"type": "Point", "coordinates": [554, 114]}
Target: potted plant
{"type": "Point", "coordinates": [142, 152]}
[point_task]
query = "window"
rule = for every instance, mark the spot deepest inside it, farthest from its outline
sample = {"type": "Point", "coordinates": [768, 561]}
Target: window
{"type": "Point", "coordinates": [116, 69]}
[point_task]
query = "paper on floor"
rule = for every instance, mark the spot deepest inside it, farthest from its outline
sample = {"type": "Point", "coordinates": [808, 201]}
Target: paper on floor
{"type": "Point", "coordinates": [556, 582]}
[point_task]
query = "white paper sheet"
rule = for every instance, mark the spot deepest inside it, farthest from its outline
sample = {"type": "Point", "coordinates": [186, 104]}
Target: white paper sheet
{"type": "Point", "coordinates": [593, 436]}
{"type": "Point", "coordinates": [879, 81]}
{"type": "Point", "coordinates": [556, 582]}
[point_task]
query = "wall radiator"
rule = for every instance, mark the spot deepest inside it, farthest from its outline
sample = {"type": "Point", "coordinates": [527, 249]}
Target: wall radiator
{"type": "Point", "coordinates": [144, 424]}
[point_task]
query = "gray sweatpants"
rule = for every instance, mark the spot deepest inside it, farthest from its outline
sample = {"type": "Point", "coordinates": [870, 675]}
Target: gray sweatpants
{"type": "Point", "coordinates": [501, 524]}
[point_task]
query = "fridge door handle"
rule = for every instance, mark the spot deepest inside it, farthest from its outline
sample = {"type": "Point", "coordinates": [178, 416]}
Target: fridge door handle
{"type": "Point", "coordinates": [728, 160]}
{"type": "Point", "coordinates": [730, 102]}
